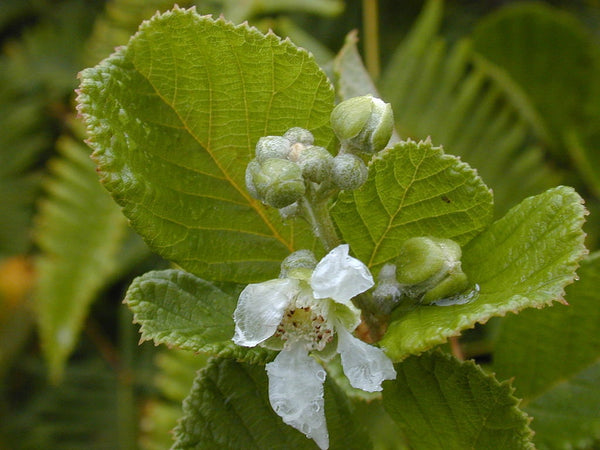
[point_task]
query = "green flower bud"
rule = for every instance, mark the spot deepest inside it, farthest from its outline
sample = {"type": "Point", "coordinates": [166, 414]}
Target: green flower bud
{"type": "Point", "coordinates": [315, 163]}
{"type": "Point", "coordinates": [299, 135]}
{"type": "Point", "coordinates": [363, 124]}
{"type": "Point", "coordinates": [287, 212]}
{"type": "Point", "coordinates": [301, 260]}
{"type": "Point", "coordinates": [388, 292]}
{"type": "Point", "coordinates": [279, 182]}
{"type": "Point", "coordinates": [420, 258]}
{"type": "Point", "coordinates": [272, 147]}
{"type": "Point", "coordinates": [348, 171]}
{"type": "Point", "coordinates": [430, 269]}
{"type": "Point", "coordinates": [252, 168]}
{"type": "Point", "coordinates": [453, 284]}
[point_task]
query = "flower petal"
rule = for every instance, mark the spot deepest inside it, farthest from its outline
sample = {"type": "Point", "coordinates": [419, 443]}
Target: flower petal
{"type": "Point", "coordinates": [365, 366]}
{"type": "Point", "coordinates": [260, 309]}
{"type": "Point", "coordinates": [296, 392]}
{"type": "Point", "coordinates": [340, 276]}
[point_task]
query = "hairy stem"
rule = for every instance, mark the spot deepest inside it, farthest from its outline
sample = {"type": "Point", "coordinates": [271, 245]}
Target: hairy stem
{"type": "Point", "coordinates": [317, 214]}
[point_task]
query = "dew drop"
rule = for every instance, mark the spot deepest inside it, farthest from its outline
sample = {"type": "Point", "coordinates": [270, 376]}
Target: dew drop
{"type": "Point", "coordinates": [460, 299]}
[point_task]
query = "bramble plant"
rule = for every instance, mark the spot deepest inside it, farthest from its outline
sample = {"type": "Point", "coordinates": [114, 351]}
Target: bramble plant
{"type": "Point", "coordinates": [227, 154]}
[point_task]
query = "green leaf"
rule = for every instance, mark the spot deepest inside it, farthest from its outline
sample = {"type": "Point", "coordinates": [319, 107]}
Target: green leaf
{"type": "Point", "coordinates": [450, 95]}
{"type": "Point", "coordinates": [228, 407]}
{"type": "Point", "coordinates": [562, 46]}
{"type": "Point", "coordinates": [79, 230]}
{"type": "Point", "coordinates": [413, 189]}
{"type": "Point", "coordinates": [552, 355]}
{"type": "Point", "coordinates": [567, 416]}
{"type": "Point", "coordinates": [442, 403]}
{"type": "Point", "coordinates": [351, 76]}
{"type": "Point", "coordinates": [173, 118]}
{"type": "Point", "coordinates": [523, 260]}
{"type": "Point", "coordinates": [179, 309]}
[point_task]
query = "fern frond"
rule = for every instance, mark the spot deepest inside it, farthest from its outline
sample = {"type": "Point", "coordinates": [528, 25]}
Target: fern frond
{"type": "Point", "coordinates": [451, 95]}
{"type": "Point", "coordinates": [176, 372]}
{"type": "Point", "coordinates": [80, 231]}
{"type": "Point", "coordinates": [79, 413]}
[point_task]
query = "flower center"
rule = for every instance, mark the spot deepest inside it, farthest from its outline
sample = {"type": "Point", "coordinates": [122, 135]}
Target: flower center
{"type": "Point", "coordinates": [305, 324]}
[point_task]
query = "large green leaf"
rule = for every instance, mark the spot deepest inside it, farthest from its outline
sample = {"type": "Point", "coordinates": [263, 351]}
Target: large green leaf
{"type": "Point", "coordinates": [179, 309]}
{"type": "Point", "coordinates": [79, 230]}
{"type": "Point", "coordinates": [523, 260]}
{"type": "Point", "coordinates": [451, 95]}
{"type": "Point", "coordinates": [413, 189]}
{"type": "Point", "coordinates": [228, 407]}
{"type": "Point", "coordinates": [553, 355]}
{"type": "Point", "coordinates": [441, 403]}
{"type": "Point", "coordinates": [173, 118]}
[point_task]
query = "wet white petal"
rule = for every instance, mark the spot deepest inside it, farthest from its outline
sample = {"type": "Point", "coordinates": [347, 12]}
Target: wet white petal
{"type": "Point", "coordinates": [364, 365]}
{"type": "Point", "coordinates": [340, 276]}
{"type": "Point", "coordinates": [296, 392]}
{"type": "Point", "coordinates": [260, 309]}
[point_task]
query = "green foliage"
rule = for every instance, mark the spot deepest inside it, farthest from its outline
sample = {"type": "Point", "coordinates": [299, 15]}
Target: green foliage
{"type": "Point", "coordinates": [79, 413]}
{"type": "Point", "coordinates": [449, 95]}
{"type": "Point", "coordinates": [442, 403]}
{"type": "Point", "coordinates": [228, 407]}
{"type": "Point", "coordinates": [553, 357]}
{"type": "Point", "coordinates": [414, 189]}
{"type": "Point", "coordinates": [176, 373]}
{"type": "Point", "coordinates": [79, 229]}
{"type": "Point", "coordinates": [172, 209]}
{"type": "Point", "coordinates": [179, 309]}
{"type": "Point", "coordinates": [173, 118]}
{"type": "Point", "coordinates": [522, 260]}
{"type": "Point", "coordinates": [563, 100]}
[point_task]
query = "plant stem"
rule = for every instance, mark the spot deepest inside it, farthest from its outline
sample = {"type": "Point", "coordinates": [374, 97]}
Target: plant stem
{"type": "Point", "coordinates": [456, 349]}
{"type": "Point", "coordinates": [371, 32]}
{"type": "Point", "coordinates": [317, 214]}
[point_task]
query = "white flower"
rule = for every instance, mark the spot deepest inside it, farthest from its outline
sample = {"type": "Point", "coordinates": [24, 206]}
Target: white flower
{"type": "Point", "coordinates": [302, 313]}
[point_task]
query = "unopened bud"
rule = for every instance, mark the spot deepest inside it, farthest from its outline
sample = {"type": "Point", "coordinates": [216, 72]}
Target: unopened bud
{"type": "Point", "coordinates": [315, 163]}
{"type": "Point", "coordinates": [299, 135]}
{"type": "Point", "coordinates": [269, 147]}
{"type": "Point", "coordinates": [387, 292]}
{"type": "Point", "coordinates": [279, 182]}
{"type": "Point", "coordinates": [430, 268]}
{"type": "Point", "coordinates": [348, 171]}
{"type": "Point", "coordinates": [303, 260]}
{"type": "Point", "coordinates": [251, 171]}
{"type": "Point", "coordinates": [363, 124]}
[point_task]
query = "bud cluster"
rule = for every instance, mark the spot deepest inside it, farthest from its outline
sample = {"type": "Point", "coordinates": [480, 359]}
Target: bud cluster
{"type": "Point", "coordinates": [284, 165]}
{"type": "Point", "coordinates": [427, 269]}
{"type": "Point", "coordinates": [289, 167]}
